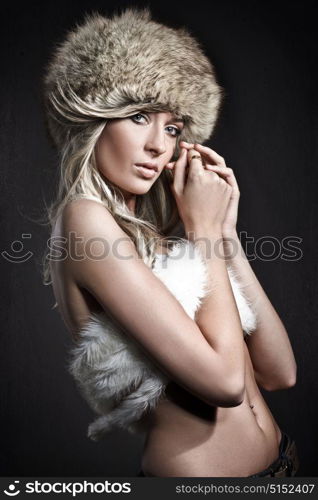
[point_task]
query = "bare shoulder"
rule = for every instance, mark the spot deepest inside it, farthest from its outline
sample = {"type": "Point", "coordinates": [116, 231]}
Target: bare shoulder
{"type": "Point", "coordinates": [88, 216]}
{"type": "Point", "coordinates": [93, 238]}
{"type": "Point", "coordinates": [90, 226]}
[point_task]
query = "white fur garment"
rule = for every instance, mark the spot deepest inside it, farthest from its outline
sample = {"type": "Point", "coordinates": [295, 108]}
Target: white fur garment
{"type": "Point", "coordinates": [114, 375]}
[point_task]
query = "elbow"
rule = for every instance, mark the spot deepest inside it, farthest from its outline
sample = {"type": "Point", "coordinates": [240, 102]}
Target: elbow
{"type": "Point", "coordinates": [293, 377]}
{"type": "Point", "coordinates": [283, 383]}
{"type": "Point", "coordinates": [233, 396]}
{"type": "Point", "coordinates": [232, 401]}
{"type": "Point", "coordinates": [291, 381]}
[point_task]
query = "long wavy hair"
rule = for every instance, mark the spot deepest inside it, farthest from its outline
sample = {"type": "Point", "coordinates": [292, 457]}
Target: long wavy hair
{"type": "Point", "coordinates": [156, 214]}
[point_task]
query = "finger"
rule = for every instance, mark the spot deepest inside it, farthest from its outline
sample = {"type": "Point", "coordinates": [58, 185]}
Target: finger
{"type": "Point", "coordinates": [210, 154]}
{"type": "Point", "coordinates": [224, 172]}
{"type": "Point", "coordinates": [189, 147]}
{"type": "Point", "coordinates": [195, 161]}
{"type": "Point", "coordinates": [186, 144]}
{"type": "Point", "coordinates": [179, 172]}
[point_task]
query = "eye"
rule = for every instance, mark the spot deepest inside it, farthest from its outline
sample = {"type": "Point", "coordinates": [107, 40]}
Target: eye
{"type": "Point", "coordinates": [138, 118]}
{"type": "Point", "coordinates": [143, 118]}
{"type": "Point", "coordinates": [174, 131]}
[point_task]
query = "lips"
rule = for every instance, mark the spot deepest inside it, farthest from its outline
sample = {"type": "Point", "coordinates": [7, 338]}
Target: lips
{"type": "Point", "coordinates": [148, 164]}
{"type": "Point", "coordinates": [145, 172]}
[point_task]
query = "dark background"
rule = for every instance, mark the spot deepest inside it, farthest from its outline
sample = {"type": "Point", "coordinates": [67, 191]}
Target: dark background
{"type": "Point", "coordinates": [265, 54]}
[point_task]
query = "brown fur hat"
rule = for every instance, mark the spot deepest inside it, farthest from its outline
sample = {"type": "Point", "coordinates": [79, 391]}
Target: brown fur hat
{"type": "Point", "coordinates": [125, 64]}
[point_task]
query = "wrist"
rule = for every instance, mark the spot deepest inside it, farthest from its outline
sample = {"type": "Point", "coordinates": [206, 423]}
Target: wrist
{"type": "Point", "coordinates": [229, 233]}
{"type": "Point", "coordinates": [194, 232]}
{"type": "Point", "coordinates": [208, 240]}
{"type": "Point", "coordinates": [231, 244]}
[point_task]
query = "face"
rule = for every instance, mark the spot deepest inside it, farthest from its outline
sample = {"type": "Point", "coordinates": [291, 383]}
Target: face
{"type": "Point", "coordinates": [127, 143]}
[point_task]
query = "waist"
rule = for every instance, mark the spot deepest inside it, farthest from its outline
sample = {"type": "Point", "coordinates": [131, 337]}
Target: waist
{"type": "Point", "coordinates": [286, 465]}
{"type": "Point", "coordinates": [210, 441]}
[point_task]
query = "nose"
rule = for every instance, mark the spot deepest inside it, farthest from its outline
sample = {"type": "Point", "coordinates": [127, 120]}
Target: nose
{"type": "Point", "coordinates": [156, 141]}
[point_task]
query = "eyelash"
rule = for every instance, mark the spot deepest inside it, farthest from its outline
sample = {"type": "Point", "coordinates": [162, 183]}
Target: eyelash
{"type": "Point", "coordinates": [177, 130]}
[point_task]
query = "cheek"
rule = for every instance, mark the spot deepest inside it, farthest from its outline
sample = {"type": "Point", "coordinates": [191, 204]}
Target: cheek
{"type": "Point", "coordinates": [102, 156]}
{"type": "Point", "coordinates": [122, 142]}
{"type": "Point", "coordinates": [172, 151]}
{"type": "Point", "coordinates": [110, 153]}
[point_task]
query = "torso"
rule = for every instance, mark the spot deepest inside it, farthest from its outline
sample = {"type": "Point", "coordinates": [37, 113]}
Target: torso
{"type": "Point", "coordinates": [188, 437]}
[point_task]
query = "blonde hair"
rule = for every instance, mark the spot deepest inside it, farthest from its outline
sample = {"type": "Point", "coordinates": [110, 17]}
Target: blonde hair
{"type": "Point", "coordinates": [156, 215]}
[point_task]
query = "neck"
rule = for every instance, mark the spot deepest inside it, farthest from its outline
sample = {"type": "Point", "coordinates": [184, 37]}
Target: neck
{"type": "Point", "coordinates": [130, 201]}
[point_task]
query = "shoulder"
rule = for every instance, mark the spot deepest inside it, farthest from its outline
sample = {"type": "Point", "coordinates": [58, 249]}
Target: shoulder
{"type": "Point", "coordinates": [82, 211]}
{"type": "Point", "coordinates": [87, 217]}
{"type": "Point", "coordinates": [92, 235]}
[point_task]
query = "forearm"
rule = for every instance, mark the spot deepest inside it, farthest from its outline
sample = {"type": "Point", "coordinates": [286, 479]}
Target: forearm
{"type": "Point", "coordinates": [218, 318]}
{"type": "Point", "coordinates": [269, 345]}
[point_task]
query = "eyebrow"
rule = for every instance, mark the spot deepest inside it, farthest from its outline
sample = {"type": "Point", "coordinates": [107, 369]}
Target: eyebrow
{"type": "Point", "coordinates": [176, 119]}
{"type": "Point", "coordinates": [173, 118]}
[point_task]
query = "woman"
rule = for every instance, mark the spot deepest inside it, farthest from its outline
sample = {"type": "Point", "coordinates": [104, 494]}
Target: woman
{"type": "Point", "coordinates": [128, 103]}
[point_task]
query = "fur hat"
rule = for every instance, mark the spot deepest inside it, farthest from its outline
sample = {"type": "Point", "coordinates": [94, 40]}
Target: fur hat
{"type": "Point", "coordinates": [126, 64]}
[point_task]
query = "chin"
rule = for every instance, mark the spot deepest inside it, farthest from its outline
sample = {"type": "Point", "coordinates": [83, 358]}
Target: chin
{"type": "Point", "coordinates": [136, 187]}
{"type": "Point", "coordinates": [140, 187]}
{"type": "Point", "coordinates": [141, 190]}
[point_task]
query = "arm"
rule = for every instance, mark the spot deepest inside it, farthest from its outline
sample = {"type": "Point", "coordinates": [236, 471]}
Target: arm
{"type": "Point", "coordinates": [219, 308]}
{"type": "Point", "coordinates": [269, 346]}
{"type": "Point", "coordinates": [127, 289]}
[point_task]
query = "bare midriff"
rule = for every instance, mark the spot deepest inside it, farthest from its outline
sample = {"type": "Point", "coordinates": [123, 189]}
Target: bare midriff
{"type": "Point", "coordinates": [188, 438]}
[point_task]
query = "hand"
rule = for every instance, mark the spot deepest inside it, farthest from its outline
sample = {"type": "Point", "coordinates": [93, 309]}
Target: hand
{"type": "Point", "coordinates": [202, 197]}
{"type": "Point", "coordinates": [214, 162]}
